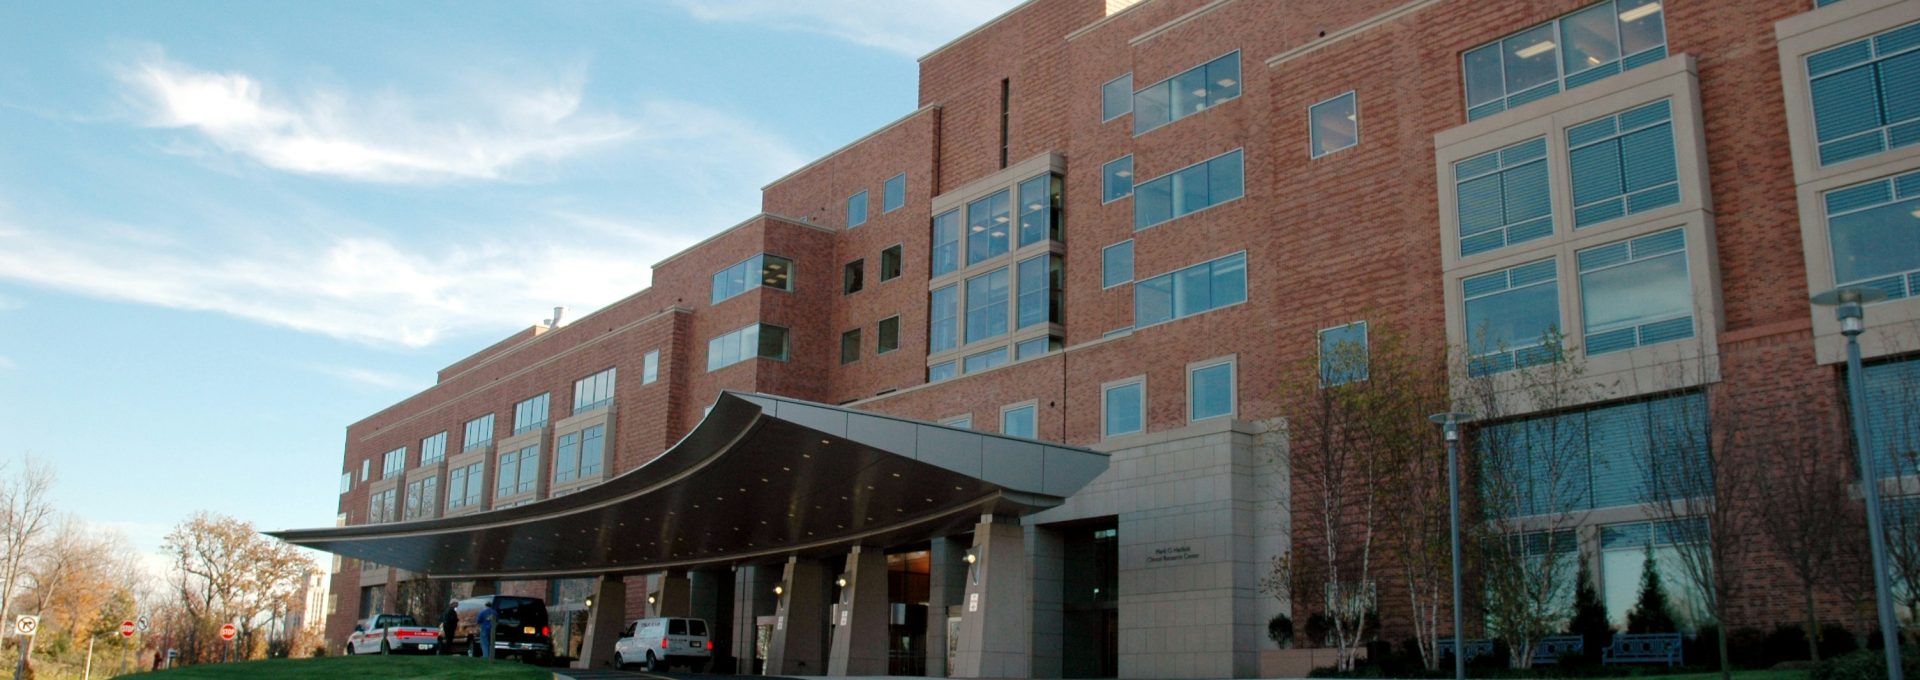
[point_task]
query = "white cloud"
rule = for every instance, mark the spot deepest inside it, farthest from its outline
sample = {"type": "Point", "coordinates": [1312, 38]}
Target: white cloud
{"type": "Point", "coordinates": [375, 379]}
{"type": "Point", "coordinates": [375, 137]}
{"type": "Point", "coordinates": [908, 29]}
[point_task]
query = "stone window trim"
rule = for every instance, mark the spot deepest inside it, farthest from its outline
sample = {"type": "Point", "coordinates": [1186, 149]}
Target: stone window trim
{"type": "Point", "coordinates": [1014, 334]}
{"type": "Point", "coordinates": [1232, 362]}
{"type": "Point", "coordinates": [1145, 426]}
{"type": "Point", "coordinates": [1804, 34]}
{"type": "Point", "coordinates": [541, 437]}
{"type": "Point", "coordinates": [1893, 326]}
{"type": "Point", "coordinates": [487, 460]}
{"type": "Point", "coordinates": [576, 425]}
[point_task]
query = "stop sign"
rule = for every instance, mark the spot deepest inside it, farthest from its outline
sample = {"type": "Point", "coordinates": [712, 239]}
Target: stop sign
{"type": "Point", "coordinates": [126, 628]}
{"type": "Point", "coordinates": [226, 631]}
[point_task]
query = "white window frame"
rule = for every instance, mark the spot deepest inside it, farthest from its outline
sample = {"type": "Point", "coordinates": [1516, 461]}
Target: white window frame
{"type": "Point", "coordinates": [1204, 161]}
{"type": "Point", "coordinates": [1233, 387]}
{"type": "Point", "coordinates": [1108, 387]}
{"type": "Point", "coordinates": [1356, 126]}
{"type": "Point", "coordinates": [1009, 408]}
{"type": "Point", "coordinates": [650, 368]}
{"type": "Point", "coordinates": [1238, 58]}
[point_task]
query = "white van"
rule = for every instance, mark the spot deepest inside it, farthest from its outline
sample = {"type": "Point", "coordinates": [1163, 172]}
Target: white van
{"type": "Point", "coordinates": [659, 643]}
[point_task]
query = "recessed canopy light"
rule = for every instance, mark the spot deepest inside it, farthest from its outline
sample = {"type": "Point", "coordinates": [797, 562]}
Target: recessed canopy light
{"type": "Point", "coordinates": [1640, 12]}
{"type": "Point", "coordinates": [1534, 50]}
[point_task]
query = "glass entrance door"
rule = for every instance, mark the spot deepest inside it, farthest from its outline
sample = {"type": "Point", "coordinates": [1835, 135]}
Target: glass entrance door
{"type": "Point", "coordinates": [907, 588]}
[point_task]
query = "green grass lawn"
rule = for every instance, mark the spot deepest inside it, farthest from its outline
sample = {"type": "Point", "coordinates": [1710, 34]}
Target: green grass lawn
{"type": "Point", "coordinates": [396, 667]}
{"type": "Point", "coordinates": [1739, 675]}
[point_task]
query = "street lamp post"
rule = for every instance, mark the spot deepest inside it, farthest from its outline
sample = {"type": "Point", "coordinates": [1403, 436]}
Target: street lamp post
{"type": "Point", "coordinates": [1450, 423]}
{"type": "Point", "coordinates": [1849, 306]}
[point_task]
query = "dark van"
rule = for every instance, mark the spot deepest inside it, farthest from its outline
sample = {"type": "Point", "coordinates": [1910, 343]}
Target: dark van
{"type": "Point", "coordinates": [519, 631]}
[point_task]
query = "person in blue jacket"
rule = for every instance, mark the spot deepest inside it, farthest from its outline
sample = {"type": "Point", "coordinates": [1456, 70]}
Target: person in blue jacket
{"type": "Point", "coordinates": [486, 619]}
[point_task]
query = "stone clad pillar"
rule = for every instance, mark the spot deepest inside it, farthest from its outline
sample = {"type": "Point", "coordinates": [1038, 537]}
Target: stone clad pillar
{"type": "Point", "coordinates": [946, 577]}
{"type": "Point", "coordinates": [799, 614]}
{"type": "Point", "coordinates": [674, 595]}
{"type": "Point", "coordinates": [860, 616]}
{"type": "Point", "coordinates": [995, 632]}
{"type": "Point", "coordinates": [604, 621]}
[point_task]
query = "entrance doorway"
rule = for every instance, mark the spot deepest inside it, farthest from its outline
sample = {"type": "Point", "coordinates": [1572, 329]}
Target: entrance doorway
{"type": "Point", "coordinates": [907, 595]}
{"type": "Point", "coordinates": [1090, 603]}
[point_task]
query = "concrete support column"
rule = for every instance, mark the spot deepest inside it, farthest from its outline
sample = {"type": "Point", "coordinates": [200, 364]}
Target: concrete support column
{"type": "Point", "coordinates": [860, 616]}
{"type": "Point", "coordinates": [946, 586]}
{"type": "Point", "coordinates": [996, 616]}
{"type": "Point", "coordinates": [752, 598]}
{"type": "Point", "coordinates": [604, 621]}
{"type": "Point", "coordinates": [800, 614]}
{"type": "Point", "coordinates": [672, 596]}
{"type": "Point", "coordinates": [1046, 553]}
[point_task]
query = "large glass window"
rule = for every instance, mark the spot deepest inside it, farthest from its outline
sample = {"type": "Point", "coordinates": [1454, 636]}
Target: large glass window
{"type": "Point", "coordinates": [593, 391]}
{"type": "Point", "coordinates": [1116, 97]}
{"type": "Point", "coordinates": [1343, 354]}
{"type": "Point", "coordinates": [1573, 50]}
{"type": "Point", "coordinates": [479, 433]}
{"type": "Point", "coordinates": [941, 371]}
{"type": "Point", "coordinates": [1623, 164]}
{"type": "Point", "coordinates": [566, 457]}
{"type": "Point", "coordinates": [380, 506]}
{"type": "Point", "coordinates": [1040, 209]}
{"type": "Point", "coordinates": [857, 209]}
{"type": "Point", "coordinates": [1192, 91]}
{"type": "Point", "coordinates": [943, 319]}
{"type": "Point", "coordinates": [423, 498]}
{"type": "Point", "coordinates": [849, 347]}
{"type": "Point", "coordinates": [1333, 125]}
{"type": "Point", "coordinates": [1124, 408]}
{"type": "Point", "coordinates": [1893, 418]}
{"type": "Point", "coordinates": [1503, 197]}
{"type": "Point", "coordinates": [1866, 95]}
{"type": "Point", "coordinates": [771, 271]}
{"type": "Point", "coordinates": [1018, 421]}
{"type": "Point", "coordinates": [887, 339]}
{"type": "Point", "coordinates": [519, 472]}
{"type": "Point", "coordinates": [758, 340]}
{"type": "Point", "coordinates": [433, 448]}
{"type": "Point", "coordinates": [1188, 190]}
{"type": "Point", "coordinates": [1030, 348]}
{"type": "Point", "coordinates": [1511, 314]}
{"type": "Point", "coordinates": [1624, 549]}
{"type": "Point", "coordinates": [989, 359]}
{"type": "Point", "coordinates": [1591, 458]}
{"type": "Point", "coordinates": [650, 367]}
{"type": "Point", "coordinates": [1041, 283]}
{"type": "Point", "coordinates": [530, 413]}
{"type": "Point", "coordinates": [1636, 293]}
{"type": "Point", "coordinates": [464, 485]}
{"type": "Point", "coordinates": [1116, 179]}
{"type": "Point", "coordinates": [946, 242]}
{"type": "Point", "coordinates": [1210, 391]}
{"type": "Point", "coordinates": [579, 455]}
{"type": "Point", "coordinates": [1116, 264]}
{"type": "Point", "coordinates": [1874, 231]}
{"type": "Point", "coordinates": [988, 223]}
{"type": "Point", "coordinates": [1203, 287]}
{"type": "Point", "coordinates": [393, 462]}
{"type": "Point", "coordinates": [893, 194]}
{"type": "Point", "coordinates": [987, 305]}
{"type": "Point", "coordinates": [889, 264]}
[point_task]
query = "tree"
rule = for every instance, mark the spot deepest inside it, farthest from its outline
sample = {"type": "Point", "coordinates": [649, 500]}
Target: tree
{"type": "Point", "coordinates": [1650, 613]}
{"type": "Point", "coordinates": [1589, 619]}
{"type": "Point", "coordinates": [225, 571]}
{"type": "Point", "coordinates": [1893, 405]}
{"type": "Point", "coordinates": [76, 574]}
{"type": "Point", "coordinates": [1808, 516]}
{"type": "Point", "coordinates": [1416, 533]}
{"type": "Point", "coordinates": [25, 515]}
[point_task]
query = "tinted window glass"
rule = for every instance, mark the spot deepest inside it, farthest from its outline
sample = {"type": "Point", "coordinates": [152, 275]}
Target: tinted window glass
{"type": "Point", "coordinates": [676, 626]}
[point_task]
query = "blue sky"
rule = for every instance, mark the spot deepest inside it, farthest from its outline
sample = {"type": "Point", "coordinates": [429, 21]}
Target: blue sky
{"type": "Point", "coordinates": [229, 229]}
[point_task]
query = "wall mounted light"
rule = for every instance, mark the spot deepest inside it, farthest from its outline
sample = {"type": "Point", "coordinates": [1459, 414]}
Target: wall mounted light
{"type": "Point", "coordinates": [651, 599]}
{"type": "Point", "coordinates": [779, 590]}
{"type": "Point", "coordinates": [841, 581]}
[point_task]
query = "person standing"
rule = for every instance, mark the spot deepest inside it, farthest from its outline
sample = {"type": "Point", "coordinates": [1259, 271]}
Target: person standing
{"type": "Point", "coordinates": [449, 622]}
{"type": "Point", "coordinates": [486, 619]}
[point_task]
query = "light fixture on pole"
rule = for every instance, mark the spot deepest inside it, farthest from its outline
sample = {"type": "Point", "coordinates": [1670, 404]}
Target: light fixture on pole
{"type": "Point", "coordinates": [1849, 305]}
{"type": "Point", "coordinates": [1450, 425]}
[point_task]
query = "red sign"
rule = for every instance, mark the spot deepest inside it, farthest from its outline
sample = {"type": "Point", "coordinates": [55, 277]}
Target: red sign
{"type": "Point", "coordinates": [227, 632]}
{"type": "Point", "coordinates": [126, 628]}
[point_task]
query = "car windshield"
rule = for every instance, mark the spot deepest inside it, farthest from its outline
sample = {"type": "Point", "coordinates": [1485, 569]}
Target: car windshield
{"type": "Point", "coordinates": [397, 621]}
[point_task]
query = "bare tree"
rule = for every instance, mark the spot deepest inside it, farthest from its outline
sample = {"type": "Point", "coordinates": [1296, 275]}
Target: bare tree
{"type": "Point", "coordinates": [78, 572]}
{"type": "Point", "coordinates": [1808, 516]}
{"type": "Point", "coordinates": [1416, 536]}
{"type": "Point", "coordinates": [1893, 406]}
{"type": "Point", "coordinates": [26, 513]}
{"type": "Point", "coordinates": [225, 571]}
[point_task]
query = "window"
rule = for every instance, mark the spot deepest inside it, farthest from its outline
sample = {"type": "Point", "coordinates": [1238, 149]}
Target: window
{"type": "Point", "coordinates": [433, 448]}
{"type": "Point", "coordinates": [1116, 264]}
{"type": "Point", "coordinates": [519, 472]}
{"type": "Point", "coordinates": [940, 371]}
{"type": "Point", "coordinates": [1503, 197]}
{"type": "Point", "coordinates": [1866, 95]}
{"type": "Point", "coordinates": [364, 464]}
{"type": "Point", "coordinates": [593, 391]}
{"type": "Point", "coordinates": [853, 277]}
{"type": "Point", "coordinates": [771, 271]}
{"type": "Point", "coordinates": [1116, 97]}
{"type": "Point", "coordinates": [1124, 408]}
{"type": "Point", "coordinates": [987, 305]}
{"type": "Point", "coordinates": [963, 422]}
{"type": "Point", "coordinates": [346, 482]}
{"type": "Point", "coordinates": [1874, 231]}
{"type": "Point", "coordinates": [890, 264]}
{"type": "Point", "coordinates": [1893, 407]}
{"type": "Point", "coordinates": [650, 368]}
{"type": "Point", "coordinates": [943, 319]}
{"type": "Point", "coordinates": [893, 194]}
{"type": "Point", "coordinates": [758, 340]}
{"type": "Point", "coordinates": [1343, 354]}
{"type": "Point", "coordinates": [946, 242]}
{"type": "Point", "coordinates": [1041, 280]}
{"type": "Point", "coordinates": [857, 209]}
{"type": "Point", "coordinates": [566, 457]}
{"type": "Point", "coordinates": [380, 506]}
{"type": "Point", "coordinates": [1116, 179]}
{"type": "Point", "coordinates": [1200, 288]}
{"type": "Point", "coordinates": [887, 339]}
{"type": "Point", "coordinates": [1623, 558]}
{"type": "Point", "coordinates": [1018, 421]}
{"type": "Point", "coordinates": [1040, 209]}
{"type": "Point", "coordinates": [1511, 316]}
{"type": "Point", "coordinates": [1636, 293]}
{"type": "Point", "coordinates": [1195, 90]}
{"type": "Point", "coordinates": [479, 433]}
{"type": "Point", "coordinates": [1333, 125]}
{"type": "Point", "coordinates": [464, 485]}
{"type": "Point", "coordinates": [1623, 164]}
{"type": "Point", "coordinates": [984, 360]}
{"type": "Point", "coordinates": [849, 347]}
{"type": "Point", "coordinates": [1594, 457]}
{"type": "Point", "coordinates": [393, 462]}
{"type": "Point", "coordinates": [1027, 349]}
{"type": "Point", "coordinates": [423, 497]}
{"type": "Point", "coordinates": [579, 455]}
{"type": "Point", "coordinates": [987, 224]}
{"type": "Point", "coordinates": [1210, 391]}
{"type": "Point", "coordinates": [530, 414]}
{"type": "Point", "coordinates": [1573, 50]}
{"type": "Point", "coordinates": [1188, 190]}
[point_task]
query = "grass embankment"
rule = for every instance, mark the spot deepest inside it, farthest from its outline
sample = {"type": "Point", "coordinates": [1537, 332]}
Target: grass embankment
{"type": "Point", "coordinates": [395, 667]}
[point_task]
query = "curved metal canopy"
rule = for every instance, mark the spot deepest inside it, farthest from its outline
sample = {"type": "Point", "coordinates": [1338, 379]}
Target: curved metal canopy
{"type": "Point", "coordinates": [760, 478]}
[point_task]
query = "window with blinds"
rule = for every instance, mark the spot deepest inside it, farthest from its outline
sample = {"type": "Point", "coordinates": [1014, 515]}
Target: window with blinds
{"type": "Point", "coordinates": [1511, 315]}
{"type": "Point", "coordinates": [1893, 418]}
{"type": "Point", "coordinates": [1200, 288]}
{"type": "Point", "coordinates": [1189, 190]}
{"type": "Point", "coordinates": [1866, 95]}
{"type": "Point", "coordinates": [1574, 50]}
{"type": "Point", "coordinates": [1503, 198]}
{"type": "Point", "coordinates": [1635, 293]}
{"type": "Point", "coordinates": [1873, 229]}
{"type": "Point", "coordinates": [1595, 457]}
{"type": "Point", "coordinates": [1623, 164]}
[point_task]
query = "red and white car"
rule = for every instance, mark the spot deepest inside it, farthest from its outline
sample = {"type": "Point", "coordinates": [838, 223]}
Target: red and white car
{"type": "Point", "coordinates": [392, 634]}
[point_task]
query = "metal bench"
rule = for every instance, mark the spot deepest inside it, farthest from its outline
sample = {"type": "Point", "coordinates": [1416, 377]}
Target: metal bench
{"type": "Point", "coordinates": [1643, 648]}
{"type": "Point", "coordinates": [1549, 649]}
{"type": "Point", "coordinates": [1443, 648]}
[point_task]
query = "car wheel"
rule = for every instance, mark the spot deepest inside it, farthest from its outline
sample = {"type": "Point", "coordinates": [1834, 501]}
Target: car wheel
{"type": "Point", "coordinates": [349, 648]}
{"type": "Point", "coordinates": [619, 662]}
{"type": "Point", "coordinates": [653, 665]}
